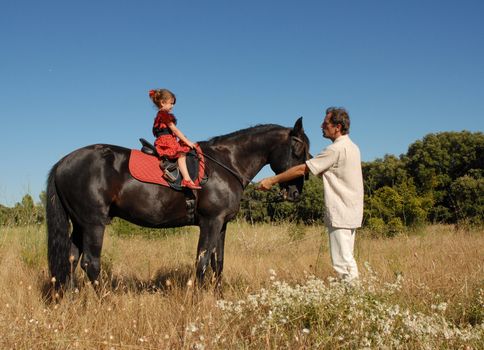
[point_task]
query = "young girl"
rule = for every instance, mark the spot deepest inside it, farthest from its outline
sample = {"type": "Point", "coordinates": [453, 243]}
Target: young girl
{"type": "Point", "coordinates": [170, 141]}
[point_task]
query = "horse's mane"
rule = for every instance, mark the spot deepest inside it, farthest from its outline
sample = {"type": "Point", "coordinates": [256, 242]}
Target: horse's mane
{"type": "Point", "coordinates": [250, 130]}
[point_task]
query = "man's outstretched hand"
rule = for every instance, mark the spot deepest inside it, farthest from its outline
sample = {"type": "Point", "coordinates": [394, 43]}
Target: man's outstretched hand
{"type": "Point", "coordinates": [265, 184]}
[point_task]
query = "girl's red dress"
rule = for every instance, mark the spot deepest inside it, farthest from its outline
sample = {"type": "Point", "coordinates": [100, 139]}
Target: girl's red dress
{"type": "Point", "coordinates": [167, 145]}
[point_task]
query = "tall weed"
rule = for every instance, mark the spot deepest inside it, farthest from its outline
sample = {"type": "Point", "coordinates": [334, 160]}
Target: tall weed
{"type": "Point", "coordinates": [418, 290]}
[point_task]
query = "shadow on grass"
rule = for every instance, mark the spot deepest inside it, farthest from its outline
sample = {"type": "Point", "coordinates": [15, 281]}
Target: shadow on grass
{"type": "Point", "coordinates": [165, 280]}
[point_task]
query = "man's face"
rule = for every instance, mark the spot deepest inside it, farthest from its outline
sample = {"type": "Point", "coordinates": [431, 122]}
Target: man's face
{"type": "Point", "coordinates": [330, 131]}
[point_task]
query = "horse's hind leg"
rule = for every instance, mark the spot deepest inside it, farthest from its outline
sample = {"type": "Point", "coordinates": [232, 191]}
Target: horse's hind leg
{"type": "Point", "coordinates": [92, 242]}
{"type": "Point", "coordinates": [75, 251]}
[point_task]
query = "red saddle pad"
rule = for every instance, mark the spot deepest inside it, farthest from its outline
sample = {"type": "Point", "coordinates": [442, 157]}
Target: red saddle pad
{"type": "Point", "coordinates": [146, 168]}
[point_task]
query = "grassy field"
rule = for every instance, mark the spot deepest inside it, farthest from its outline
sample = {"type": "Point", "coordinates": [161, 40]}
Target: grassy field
{"type": "Point", "coordinates": [423, 290]}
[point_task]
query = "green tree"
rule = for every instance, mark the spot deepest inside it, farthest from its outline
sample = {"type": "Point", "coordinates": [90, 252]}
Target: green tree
{"type": "Point", "coordinates": [27, 212]}
{"type": "Point", "coordinates": [416, 207]}
{"type": "Point", "coordinates": [253, 206]}
{"type": "Point", "coordinates": [467, 195]}
{"type": "Point", "coordinates": [438, 160]}
{"type": "Point", "coordinates": [264, 206]}
{"type": "Point", "coordinates": [4, 214]}
{"type": "Point", "coordinates": [388, 171]}
{"type": "Point", "coordinates": [390, 208]}
{"type": "Point", "coordinates": [385, 203]}
{"type": "Point", "coordinates": [278, 209]}
{"type": "Point", "coordinates": [310, 209]}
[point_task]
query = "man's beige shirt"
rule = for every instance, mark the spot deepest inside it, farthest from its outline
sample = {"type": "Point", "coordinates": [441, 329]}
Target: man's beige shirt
{"type": "Point", "coordinates": [340, 167]}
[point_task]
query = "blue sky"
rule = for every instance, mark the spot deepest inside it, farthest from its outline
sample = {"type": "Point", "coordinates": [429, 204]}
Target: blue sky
{"type": "Point", "coordinates": [78, 73]}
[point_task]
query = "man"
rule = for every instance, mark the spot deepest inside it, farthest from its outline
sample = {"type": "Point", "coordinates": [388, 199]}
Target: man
{"type": "Point", "coordinates": [340, 167]}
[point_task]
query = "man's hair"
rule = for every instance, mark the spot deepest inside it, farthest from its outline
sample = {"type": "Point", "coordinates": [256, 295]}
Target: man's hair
{"type": "Point", "coordinates": [339, 116]}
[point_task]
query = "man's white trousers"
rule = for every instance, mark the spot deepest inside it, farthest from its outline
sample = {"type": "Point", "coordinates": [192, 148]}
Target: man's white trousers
{"type": "Point", "coordinates": [341, 245]}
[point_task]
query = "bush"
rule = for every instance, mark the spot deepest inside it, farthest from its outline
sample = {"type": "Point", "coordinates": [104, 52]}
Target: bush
{"type": "Point", "coordinates": [23, 214]}
{"type": "Point", "coordinates": [394, 227]}
{"type": "Point", "coordinates": [376, 226]}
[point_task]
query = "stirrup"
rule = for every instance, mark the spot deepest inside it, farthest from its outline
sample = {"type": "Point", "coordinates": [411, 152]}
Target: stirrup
{"type": "Point", "coordinates": [169, 176]}
{"type": "Point", "coordinates": [170, 172]}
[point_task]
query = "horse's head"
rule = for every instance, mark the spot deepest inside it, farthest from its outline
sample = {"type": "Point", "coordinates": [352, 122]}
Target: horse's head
{"type": "Point", "coordinates": [292, 151]}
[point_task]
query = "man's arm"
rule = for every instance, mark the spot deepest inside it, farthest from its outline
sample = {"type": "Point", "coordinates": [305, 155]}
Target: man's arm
{"type": "Point", "coordinates": [291, 173]}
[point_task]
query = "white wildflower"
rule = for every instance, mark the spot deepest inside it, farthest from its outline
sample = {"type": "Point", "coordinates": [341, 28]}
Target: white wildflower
{"type": "Point", "coordinates": [192, 327]}
{"type": "Point", "coordinates": [198, 346]}
{"type": "Point", "coordinates": [442, 307]}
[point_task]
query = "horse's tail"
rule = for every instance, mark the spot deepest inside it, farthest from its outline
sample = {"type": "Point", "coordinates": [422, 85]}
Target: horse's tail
{"type": "Point", "coordinates": [58, 240]}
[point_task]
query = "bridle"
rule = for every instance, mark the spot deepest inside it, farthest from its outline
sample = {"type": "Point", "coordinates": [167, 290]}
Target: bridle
{"type": "Point", "coordinates": [306, 150]}
{"type": "Point", "coordinates": [241, 178]}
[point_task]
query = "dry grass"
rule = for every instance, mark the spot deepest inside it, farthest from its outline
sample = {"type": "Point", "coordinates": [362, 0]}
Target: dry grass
{"type": "Point", "coordinates": [438, 264]}
{"type": "Point", "coordinates": [146, 300]}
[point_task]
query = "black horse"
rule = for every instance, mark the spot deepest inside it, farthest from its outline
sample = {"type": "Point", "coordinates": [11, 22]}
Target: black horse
{"type": "Point", "coordinates": [91, 185]}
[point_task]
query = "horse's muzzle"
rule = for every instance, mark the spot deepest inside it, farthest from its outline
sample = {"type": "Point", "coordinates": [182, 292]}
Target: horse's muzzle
{"type": "Point", "coordinates": [290, 194]}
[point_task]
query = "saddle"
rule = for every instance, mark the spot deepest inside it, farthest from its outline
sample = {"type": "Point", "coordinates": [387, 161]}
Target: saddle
{"type": "Point", "coordinates": [147, 166]}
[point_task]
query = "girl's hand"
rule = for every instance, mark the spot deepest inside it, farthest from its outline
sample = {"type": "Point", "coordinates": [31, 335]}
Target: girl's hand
{"type": "Point", "coordinates": [190, 144]}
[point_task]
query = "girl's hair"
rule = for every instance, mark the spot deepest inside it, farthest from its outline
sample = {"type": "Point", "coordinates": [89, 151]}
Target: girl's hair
{"type": "Point", "coordinates": [161, 95]}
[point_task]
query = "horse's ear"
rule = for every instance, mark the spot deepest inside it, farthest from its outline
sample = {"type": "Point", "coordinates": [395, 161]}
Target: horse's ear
{"type": "Point", "coordinates": [298, 127]}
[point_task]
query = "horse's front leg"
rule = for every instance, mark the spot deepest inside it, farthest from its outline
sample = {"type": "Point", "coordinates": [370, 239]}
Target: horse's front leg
{"type": "Point", "coordinates": [207, 244]}
{"type": "Point", "coordinates": [217, 260]}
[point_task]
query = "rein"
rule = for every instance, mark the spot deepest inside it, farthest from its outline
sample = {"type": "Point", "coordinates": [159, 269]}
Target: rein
{"type": "Point", "coordinates": [237, 176]}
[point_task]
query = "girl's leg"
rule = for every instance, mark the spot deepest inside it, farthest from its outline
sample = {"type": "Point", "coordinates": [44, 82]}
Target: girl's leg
{"type": "Point", "coordinates": [187, 181]}
{"type": "Point", "coordinates": [182, 164]}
